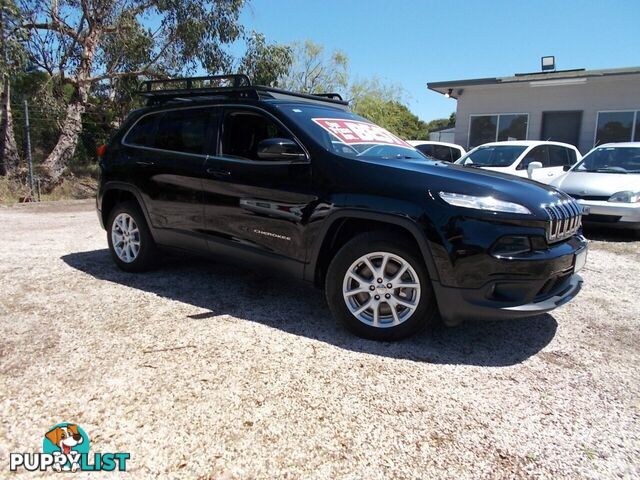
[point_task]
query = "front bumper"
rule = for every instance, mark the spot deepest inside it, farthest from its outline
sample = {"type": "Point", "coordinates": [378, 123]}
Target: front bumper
{"type": "Point", "coordinates": [626, 215]}
{"type": "Point", "coordinates": [505, 296]}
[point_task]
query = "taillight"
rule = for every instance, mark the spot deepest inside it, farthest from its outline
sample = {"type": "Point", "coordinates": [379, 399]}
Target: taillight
{"type": "Point", "coordinates": [101, 150]}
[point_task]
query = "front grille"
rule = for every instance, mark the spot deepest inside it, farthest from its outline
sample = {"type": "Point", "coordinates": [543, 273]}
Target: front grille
{"type": "Point", "coordinates": [590, 197]}
{"type": "Point", "coordinates": [565, 218]}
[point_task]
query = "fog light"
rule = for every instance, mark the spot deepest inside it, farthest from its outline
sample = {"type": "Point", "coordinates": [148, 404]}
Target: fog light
{"type": "Point", "coordinates": [508, 246]}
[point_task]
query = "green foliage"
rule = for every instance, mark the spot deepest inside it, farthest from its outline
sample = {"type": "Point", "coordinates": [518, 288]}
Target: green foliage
{"type": "Point", "coordinates": [313, 71]}
{"type": "Point", "coordinates": [382, 104]}
{"type": "Point", "coordinates": [16, 55]}
{"type": "Point", "coordinates": [441, 123]}
{"type": "Point", "coordinates": [45, 98]}
{"type": "Point", "coordinates": [265, 63]}
{"type": "Point", "coordinates": [392, 115]}
{"type": "Point", "coordinates": [186, 34]}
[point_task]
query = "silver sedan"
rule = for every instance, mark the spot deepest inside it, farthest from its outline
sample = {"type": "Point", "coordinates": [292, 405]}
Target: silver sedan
{"type": "Point", "coordinates": [607, 182]}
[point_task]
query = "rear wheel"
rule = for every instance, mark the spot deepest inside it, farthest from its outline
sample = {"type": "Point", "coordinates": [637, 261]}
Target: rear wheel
{"type": "Point", "coordinates": [379, 288]}
{"type": "Point", "coordinates": [130, 242]}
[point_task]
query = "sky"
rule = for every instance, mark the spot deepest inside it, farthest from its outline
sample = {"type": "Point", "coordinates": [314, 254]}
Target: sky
{"type": "Point", "coordinates": [408, 43]}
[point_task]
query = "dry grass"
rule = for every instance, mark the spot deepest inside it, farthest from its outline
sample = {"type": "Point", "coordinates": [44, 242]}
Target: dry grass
{"type": "Point", "coordinates": [71, 187]}
{"type": "Point", "coordinates": [11, 191]}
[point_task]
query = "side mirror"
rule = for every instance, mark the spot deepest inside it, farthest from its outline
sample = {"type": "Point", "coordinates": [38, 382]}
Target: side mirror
{"type": "Point", "coordinates": [532, 166]}
{"type": "Point", "coordinates": [279, 149]}
{"type": "Point", "coordinates": [566, 168]}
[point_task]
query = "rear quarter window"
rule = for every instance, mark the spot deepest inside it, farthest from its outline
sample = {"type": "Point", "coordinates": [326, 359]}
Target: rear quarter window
{"type": "Point", "coordinates": [142, 132]}
{"type": "Point", "coordinates": [558, 156]}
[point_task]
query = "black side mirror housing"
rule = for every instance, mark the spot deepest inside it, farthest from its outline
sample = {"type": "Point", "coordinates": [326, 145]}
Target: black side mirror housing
{"type": "Point", "coordinates": [280, 149]}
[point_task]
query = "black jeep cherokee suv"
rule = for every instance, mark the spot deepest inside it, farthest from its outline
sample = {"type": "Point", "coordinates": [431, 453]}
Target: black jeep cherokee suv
{"type": "Point", "coordinates": [298, 183]}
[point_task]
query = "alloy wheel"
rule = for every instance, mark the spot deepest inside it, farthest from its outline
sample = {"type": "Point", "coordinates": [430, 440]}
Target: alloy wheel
{"type": "Point", "coordinates": [125, 237]}
{"type": "Point", "coordinates": [381, 289]}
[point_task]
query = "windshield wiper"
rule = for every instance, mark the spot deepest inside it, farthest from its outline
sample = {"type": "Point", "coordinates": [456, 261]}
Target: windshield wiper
{"type": "Point", "coordinates": [611, 170]}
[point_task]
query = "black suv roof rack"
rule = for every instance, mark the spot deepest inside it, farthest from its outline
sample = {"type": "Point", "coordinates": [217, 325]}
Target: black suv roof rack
{"type": "Point", "coordinates": [223, 86]}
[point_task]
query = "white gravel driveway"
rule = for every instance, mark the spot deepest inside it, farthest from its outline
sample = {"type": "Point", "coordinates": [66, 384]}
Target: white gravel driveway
{"type": "Point", "coordinates": [201, 370]}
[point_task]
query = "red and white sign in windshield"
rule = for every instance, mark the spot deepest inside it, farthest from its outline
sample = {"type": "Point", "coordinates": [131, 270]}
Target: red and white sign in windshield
{"type": "Point", "coordinates": [356, 132]}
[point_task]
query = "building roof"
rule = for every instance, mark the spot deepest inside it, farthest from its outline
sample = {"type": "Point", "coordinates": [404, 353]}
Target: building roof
{"type": "Point", "coordinates": [569, 75]}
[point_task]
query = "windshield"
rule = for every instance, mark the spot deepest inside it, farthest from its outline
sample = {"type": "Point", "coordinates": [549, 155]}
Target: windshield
{"type": "Point", "coordinates": [492, 156]}
{"type": "Point", "coordinates": [350, 135]}
{"type": "Point", "coordinates": [611, 160]}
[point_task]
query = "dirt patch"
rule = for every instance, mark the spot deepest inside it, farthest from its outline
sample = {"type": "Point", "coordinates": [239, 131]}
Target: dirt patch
{"type": "Point", "coordinates": [201, 369]}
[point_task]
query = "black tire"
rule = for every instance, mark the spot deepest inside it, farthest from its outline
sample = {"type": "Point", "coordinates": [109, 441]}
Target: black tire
{"type": "Point", "coordinates": [147, 255]}
{"type": "Point", "coordinates": [365, 244]}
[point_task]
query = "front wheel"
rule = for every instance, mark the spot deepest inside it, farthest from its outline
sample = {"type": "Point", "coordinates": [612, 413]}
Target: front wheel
{"type": "Point", "coordinates": [130, 242]}
{"type": "Point", "coordinates": [379, 288]}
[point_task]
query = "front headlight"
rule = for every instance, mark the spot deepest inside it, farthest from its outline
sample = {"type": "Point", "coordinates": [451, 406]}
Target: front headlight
{"type": "Point", "coordinates": [483, 203]}
{"type": "Point", "coordinates": [625, 197]}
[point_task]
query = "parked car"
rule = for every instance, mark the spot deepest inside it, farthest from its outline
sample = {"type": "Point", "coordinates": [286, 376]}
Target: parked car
{"type": "Point", "coordinates": [262, 176]}
{"type": "Point", "coordinates": [607, 182]}
{"type": "Point", "coordinates": [537, 160]}
{"type": "Point", "coordinates": [447, 152]}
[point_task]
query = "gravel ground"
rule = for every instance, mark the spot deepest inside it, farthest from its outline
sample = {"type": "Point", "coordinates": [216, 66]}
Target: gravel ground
{"type": "Point", "coordinates": [201, 370]}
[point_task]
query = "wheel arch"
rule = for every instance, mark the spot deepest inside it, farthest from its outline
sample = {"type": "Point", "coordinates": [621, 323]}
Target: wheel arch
{"type": "Point", "coordinates": [343, 225]}
{"type": "Point", "coordinates": [114, 193]}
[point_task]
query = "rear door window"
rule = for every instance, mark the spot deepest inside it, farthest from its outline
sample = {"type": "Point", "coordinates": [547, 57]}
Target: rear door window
{"type": "Point", "coordinates": [426, 149]}
{"type": "Point", "coordinates": [537, 154]}
{"type": "Point", "coordinates": [442, 152]}
{"type": "Point", "coordinates": [558, 156]}
{"type": "Point", "coordinates": [185, 131]}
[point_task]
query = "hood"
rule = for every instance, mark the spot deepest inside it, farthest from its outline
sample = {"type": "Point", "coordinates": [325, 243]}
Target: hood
{"type": "Point", "coordinates": [597, 184]}
{"type": "Point", "coordinates": [448, 177]}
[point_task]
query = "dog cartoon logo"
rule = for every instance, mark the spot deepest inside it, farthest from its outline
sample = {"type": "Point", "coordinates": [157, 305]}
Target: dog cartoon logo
{"type": "Point", "coordinates": [65, 448]}
{"type": "Point", "coordinates": [67, 439]}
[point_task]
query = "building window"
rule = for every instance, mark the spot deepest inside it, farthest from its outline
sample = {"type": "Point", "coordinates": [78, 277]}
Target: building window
{"type": "Point", "coordinates": [619, 126]}
{"type": "Point", "coordinates": [500, 127]}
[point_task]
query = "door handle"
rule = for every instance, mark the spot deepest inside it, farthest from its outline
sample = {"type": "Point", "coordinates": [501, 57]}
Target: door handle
{"type": "Point", "coordinates": [218, 173]}
{"type": "Point", "coordinates": [549, 174]}
{"type": "Point", "coordinates": [145, 164]}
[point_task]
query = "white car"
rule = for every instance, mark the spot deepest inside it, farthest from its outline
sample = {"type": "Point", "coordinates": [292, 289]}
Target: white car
{"type": "Point", "coordinates": [447, 152]}
{"type": "Point", "coordinates": [537, 160]}
{"type": "Point", "coordinates": [607, 182]}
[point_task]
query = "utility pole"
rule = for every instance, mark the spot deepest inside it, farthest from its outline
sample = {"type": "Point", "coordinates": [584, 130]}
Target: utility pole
{"type": "Point", "coordinates": [27, 141]}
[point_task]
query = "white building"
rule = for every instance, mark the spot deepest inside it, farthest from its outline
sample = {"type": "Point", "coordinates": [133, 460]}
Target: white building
{"type": "Point", "coordinates": [581, 107]}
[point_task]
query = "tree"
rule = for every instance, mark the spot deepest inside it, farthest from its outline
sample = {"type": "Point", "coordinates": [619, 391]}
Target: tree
{"type": "Point", "coordinates": [86, 44]}
{"type": "Point", "coordinates": [382, 104]}
{"type": "Point", "coordinates": [11, 57]}
{"type": "Point", "coordinates": [313, 72]}
{"type": "Point", "coordinates": [441, 123]}
{"type": "Point", "coordinates": [265, 63]}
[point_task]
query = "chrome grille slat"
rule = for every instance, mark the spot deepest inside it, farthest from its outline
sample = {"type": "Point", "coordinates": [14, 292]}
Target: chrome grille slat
{"type": "Point", "coordinates": [565, 219]}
